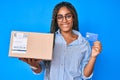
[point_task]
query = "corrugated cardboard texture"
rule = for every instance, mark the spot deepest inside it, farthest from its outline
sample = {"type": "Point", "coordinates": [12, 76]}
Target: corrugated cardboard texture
{"type": "Point", "coordinates": [39, 46]}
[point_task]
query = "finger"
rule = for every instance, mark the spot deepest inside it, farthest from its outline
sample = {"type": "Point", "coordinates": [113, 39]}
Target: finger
{"type": "Point", "coordinates": [33, 61]}
{"type": "Point", "coordinates": [97, 42]}
{"type": "Point", "coordinates": [29, 61]}
{"type": "Point", "coordinates": [39, 60]}
{"type": "Point", "coordinates": [23, 59]}
{"type": "Point", "coordinates": [98, 45]}
{"type": "Point", "coordinates": [96, 49]}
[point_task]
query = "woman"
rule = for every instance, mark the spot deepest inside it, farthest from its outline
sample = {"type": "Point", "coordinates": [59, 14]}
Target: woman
{"type": "Point", "coordinates": [73, 58]}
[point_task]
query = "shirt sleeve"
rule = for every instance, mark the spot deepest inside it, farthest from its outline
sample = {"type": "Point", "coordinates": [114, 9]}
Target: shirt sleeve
{"type": "Point", "coordinates": [85, 61]}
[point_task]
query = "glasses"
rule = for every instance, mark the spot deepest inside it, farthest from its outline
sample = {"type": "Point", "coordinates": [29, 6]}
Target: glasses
{"type": "Point", "coordinates": [67, 17]}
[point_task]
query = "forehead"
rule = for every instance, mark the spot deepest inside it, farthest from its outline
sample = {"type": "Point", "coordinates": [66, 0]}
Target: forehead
{"type": "Point", "coordinates": [64, 10]}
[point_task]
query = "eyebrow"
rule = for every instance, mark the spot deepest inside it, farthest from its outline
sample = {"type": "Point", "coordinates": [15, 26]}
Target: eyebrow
{"type": "Point", "coordinates": [65, 14]}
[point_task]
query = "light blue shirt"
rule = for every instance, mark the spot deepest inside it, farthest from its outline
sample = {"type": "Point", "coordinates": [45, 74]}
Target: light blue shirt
{"type": "Point", "coordinates": [69, 60]}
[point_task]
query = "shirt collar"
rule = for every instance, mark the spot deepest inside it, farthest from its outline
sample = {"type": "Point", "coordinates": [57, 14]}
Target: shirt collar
{"type": "Point", "coordinates": [80, 38]}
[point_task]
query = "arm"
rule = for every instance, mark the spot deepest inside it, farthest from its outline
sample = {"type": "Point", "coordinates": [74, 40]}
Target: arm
{"type": "Point", "coordinates": [89, 67]}
{"type": "Point", "coordinates": [96, 49]}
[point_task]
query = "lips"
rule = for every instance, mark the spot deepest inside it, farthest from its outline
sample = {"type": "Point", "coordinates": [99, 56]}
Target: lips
{"type": "Point", "coordinates": [64, 25]}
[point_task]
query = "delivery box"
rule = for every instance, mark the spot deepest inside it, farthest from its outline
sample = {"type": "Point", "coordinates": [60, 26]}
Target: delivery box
{"type": "Point", "coordinates": [31, 45]}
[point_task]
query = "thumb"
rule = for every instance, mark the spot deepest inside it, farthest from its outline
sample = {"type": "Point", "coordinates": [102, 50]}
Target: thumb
{"type": "Point", "coordinates": [38, 60]}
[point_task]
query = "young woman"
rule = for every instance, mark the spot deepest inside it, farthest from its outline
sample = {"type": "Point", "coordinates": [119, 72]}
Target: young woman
{"type": "Point", "coordinates": [73, 58]}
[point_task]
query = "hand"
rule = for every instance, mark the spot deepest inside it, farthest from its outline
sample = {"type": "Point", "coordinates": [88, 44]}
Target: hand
{"type": "Point", "coordinates": [31, 62]}
{"type": "Point", "coordinates": [96, 48]}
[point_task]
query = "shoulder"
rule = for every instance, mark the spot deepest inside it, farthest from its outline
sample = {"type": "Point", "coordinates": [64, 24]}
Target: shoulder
{"type": "Point", "coordinates": [82, 40]}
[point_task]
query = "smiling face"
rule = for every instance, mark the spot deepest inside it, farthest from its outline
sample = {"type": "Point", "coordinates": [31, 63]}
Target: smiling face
{"type": "Point", "coordinates": [65, 19]}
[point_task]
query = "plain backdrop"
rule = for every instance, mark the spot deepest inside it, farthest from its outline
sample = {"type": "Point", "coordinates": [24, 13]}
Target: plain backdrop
{"type": "Point", "coordinates": [96, 16]}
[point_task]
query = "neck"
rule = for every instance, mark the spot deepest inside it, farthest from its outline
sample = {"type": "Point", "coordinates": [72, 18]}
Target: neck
{"type": "Point", "coordinates": [67, 33]}
{"type": "Point", "coordinates": [69, 36]}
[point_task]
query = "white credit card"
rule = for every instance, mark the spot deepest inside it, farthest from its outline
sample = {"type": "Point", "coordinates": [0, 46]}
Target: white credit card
{"type": "Point", "coordinates": [91, 36]}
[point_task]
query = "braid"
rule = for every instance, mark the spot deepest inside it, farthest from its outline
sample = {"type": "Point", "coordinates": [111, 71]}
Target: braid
{"type": "Point", "coordinates": [54, 25]}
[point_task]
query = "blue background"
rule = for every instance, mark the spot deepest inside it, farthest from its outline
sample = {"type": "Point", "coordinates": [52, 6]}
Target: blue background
{"type": "Point", "coordinates": [97, 16]}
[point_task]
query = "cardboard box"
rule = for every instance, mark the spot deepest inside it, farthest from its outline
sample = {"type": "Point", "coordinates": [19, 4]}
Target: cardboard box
{"type": "Point", "coordinates": [31, 45]}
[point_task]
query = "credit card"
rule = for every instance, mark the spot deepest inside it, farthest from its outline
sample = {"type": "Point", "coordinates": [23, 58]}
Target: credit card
{"type": "Point", "coordinates": [91, 36]}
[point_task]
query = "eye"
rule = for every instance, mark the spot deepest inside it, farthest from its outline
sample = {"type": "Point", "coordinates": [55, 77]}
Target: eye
{"type": "Point", "coordinates": [69, 16]}
{"type": "Point", "coordinates": [59, 17]}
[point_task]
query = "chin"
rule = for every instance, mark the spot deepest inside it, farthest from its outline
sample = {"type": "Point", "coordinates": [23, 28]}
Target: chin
{"type": "Point", "coordinates": [66, 30]}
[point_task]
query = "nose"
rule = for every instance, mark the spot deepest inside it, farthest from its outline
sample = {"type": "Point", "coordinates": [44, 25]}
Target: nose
{"type": "Point", "coordinates": [64, 19]}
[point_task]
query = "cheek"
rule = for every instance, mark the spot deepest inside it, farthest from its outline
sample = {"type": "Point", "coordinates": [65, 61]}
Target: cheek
{"type": "Point", "coordinates": [58, 24]}
{"type": "Point", "coordinates": [71, 24]}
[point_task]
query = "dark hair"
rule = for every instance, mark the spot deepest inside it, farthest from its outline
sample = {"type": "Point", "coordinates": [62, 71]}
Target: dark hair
{"type": "Point", "coordinates": [54, 25]}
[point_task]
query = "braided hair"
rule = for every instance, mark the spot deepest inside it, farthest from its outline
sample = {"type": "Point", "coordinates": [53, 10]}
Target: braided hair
{"type": "Point", "coordinates": [54, 24]}
{"type": "Point", "coordinates": [69, 6]}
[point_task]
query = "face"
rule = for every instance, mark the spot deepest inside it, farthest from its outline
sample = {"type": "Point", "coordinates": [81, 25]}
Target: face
{"type": "Point", "coordinates": [65, 19]}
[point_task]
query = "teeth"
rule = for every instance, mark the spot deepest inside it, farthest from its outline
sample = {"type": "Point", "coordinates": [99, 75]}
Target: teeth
{"type": "Point", "coordinates": [64, 24]}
